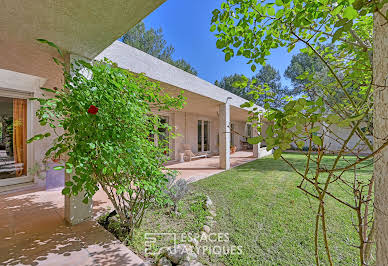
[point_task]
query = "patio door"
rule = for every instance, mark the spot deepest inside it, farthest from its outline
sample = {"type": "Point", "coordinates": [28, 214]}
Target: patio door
{"type": "Point", "coordinates": [203, 135]}
{"type": "Point", "coordinates": [163, 136]}
{"type": "Point", "coordinates": [13, 141]}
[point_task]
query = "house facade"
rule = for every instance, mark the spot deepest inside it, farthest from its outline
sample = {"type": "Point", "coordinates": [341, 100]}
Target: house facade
{"type": "Point", "coordinates": [198, 124]}
{"type": "Point", "coordinates": [81, 29]}
{"type": "Point", "coordinates": [86, 30]}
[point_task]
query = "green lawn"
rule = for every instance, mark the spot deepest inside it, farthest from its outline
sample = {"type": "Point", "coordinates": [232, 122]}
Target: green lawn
{"type": "Point", "coordinates": [262, 210]}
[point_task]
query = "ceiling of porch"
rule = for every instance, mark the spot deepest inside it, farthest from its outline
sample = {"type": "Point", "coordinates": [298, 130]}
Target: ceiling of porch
{"type": "Point", "coordinates": [81, 27]}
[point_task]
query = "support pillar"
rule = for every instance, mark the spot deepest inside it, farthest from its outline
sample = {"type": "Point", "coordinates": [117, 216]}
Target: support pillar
{"type": "Point", "coordinates": [380, 135]}
{"type": "Point", "coordinates": [256, 147]}
{"type": "Point", "coordinates": [224, 131]}
{"type": "Point", "coordinates": [75, 210]}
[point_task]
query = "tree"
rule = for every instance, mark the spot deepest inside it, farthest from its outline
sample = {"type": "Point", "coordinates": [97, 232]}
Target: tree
{"type": "Point", "coordinates": [103, 118]}
{"type": "Point", "coordinates": [227, 83]}
{"type": "Point", "coordinates": [380, 72]}
{"type": "Point", "coordinates": [252, 28]}
{"type": "Point", "coordinates": [301, 63]}
{"type": "Point", "coordinates": [267, 76]}
{"type": "Point", "coordinates": [152, 42]}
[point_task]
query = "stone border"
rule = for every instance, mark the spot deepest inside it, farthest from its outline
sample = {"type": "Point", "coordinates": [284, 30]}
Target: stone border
{"type": "Point", "coordinates": [183, 254]}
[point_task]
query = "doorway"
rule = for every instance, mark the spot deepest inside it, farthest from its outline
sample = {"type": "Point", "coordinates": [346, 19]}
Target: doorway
{"type": "Point", "coordinates": [13, 141]}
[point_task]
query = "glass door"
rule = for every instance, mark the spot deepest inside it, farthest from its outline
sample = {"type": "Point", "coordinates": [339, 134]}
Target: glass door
{"type": "Point", "coordinates": [203, 136]}
{"type": "Point", "coordinates": [13, 139]}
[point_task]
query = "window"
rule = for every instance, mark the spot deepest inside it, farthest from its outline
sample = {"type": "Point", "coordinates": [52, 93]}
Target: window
{"type": "Point", "coordinates": [203, 135]}
{"type": "Point", "coordinates": [13, 137]}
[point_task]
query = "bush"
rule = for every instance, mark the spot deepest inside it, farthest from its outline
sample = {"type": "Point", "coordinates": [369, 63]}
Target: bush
{"type": "Point", "coordinates": [108, 120]}
{"type": "Point", "coordinates": [176, 190]}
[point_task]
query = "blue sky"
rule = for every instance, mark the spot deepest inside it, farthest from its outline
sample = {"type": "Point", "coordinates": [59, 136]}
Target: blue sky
{"type": "Point", "coordinates": [186, 25]}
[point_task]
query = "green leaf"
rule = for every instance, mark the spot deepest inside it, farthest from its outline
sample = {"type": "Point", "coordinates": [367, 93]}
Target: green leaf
{"type": "Point", "coordinates": [227, 57]}
{"type": "Point", "coordinates": [85, 200]}
{"type": "Point", "coordinates": [350, 13]}
{"type": "Point", "coordinates": [255, 140]}
{"type": "Point", "coordinates": [271, 11]}
{"type": "Point", "coordinates": [220, 44]}
{"type": "Point", "coordinates": [50, 44]}
{"type": "Point", "coordinates": [253, 68]}
{"type": "Point", "coordinates": [315, 129]}
{"type": "Point", "coordinates": [269, 131]}
{"type": "Point", "coordinates": [213, 27]}
{"type": "Point", "coordinates": [66, 191]}
{"type": "Point", "coordinates": [317, 140]}
{"type": "Point", "coordinates": [340, 22]}
{"type": "Point", "coordinates": [92, 146]}
{"type": "Point", "coordinates": [69, 170]}
{"type": "Point", "coordinates": [279, 2]}
{"type": "Point", "coordinates": [277, 153]}
{"type": "Point", "coordinates": [300, 144]}
{"type": "Point", "coordinates": [59, 167]}
{"type": "Point", "coordinates": [246, 104]}
{"type": "Point", "coordinates": [337, 35]}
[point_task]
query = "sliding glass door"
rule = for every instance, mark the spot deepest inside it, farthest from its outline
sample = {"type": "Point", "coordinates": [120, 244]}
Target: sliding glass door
{"type": "Point", "coordinates": [203, 135]}
{"type": "Point", "coordinates": [13, 138]}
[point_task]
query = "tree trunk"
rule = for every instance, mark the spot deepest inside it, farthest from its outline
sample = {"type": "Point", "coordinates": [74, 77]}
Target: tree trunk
{"type": "Point", "coordinates": [380, 124]}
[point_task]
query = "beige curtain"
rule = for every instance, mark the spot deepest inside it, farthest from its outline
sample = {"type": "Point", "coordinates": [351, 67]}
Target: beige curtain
{"type": "Point", "coordinates": [20, 135]}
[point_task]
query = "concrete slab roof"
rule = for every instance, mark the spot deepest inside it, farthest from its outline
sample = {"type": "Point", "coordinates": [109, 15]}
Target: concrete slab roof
{"type": "Point", "coordinates": [81, 27]}
{"type": "Point", "coordinates": [138, 61]}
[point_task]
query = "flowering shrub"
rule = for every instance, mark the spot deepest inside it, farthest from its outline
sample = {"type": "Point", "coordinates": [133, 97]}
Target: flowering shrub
{"type": "Point", "coordinates": [108, 120]}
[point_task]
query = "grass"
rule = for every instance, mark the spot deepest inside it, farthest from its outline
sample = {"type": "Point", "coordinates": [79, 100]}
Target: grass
{"type": "Point", "coordinates": [259, 205]}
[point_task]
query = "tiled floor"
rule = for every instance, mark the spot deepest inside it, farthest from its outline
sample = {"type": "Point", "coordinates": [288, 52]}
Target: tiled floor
{"type": "Point", "coordinates": [33, 231]}
{"type": "Point", "coordinates": [202, 168]}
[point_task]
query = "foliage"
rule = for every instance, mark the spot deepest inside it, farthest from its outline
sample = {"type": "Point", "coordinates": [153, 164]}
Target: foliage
{"type": "Point", "coordinates": [102, 119]}
{"type": "Point", "coordinates": [267, 76]}
{"type": "Point", "coordinates": [227, 83]}
{"type": "Point", "coordinates": [300, 64]}
{"type": "Point", "coordinates": [176, 190]}
{"type": "Point", "coordinates": [251, 29]}
{"type": "Point", "coordinates": [152, 42]}
{"type": "Point", "coordinates": [159, 219]}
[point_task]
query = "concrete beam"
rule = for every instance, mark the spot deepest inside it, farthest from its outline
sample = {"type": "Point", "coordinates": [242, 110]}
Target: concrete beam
{"type": "Point", "coordinates": [224, 131]}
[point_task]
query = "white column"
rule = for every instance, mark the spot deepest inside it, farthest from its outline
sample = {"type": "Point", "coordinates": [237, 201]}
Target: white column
{"type": "Point", "coordinates": [256, 147]}
{"type": "Point", "coordinates": [224, 131]}
{"type": "Point", "coordinates": [75, 210]}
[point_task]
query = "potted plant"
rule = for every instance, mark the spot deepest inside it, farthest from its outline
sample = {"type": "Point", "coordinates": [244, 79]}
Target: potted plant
{"type": "Point", "coordinates": [233, 149]}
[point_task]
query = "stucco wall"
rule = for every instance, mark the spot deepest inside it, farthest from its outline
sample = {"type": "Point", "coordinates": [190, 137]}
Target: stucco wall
{"type": "Point", "coordinates": [185, 126]}
{"type": "Point", "coordinates": [34, 60]}
{"type": "Point", "coordinates": [239, 128]}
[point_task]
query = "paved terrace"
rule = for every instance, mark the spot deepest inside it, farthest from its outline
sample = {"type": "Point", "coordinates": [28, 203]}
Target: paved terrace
{"type": "Point", "coordinates": [33, 231]}
{"type": "Point", "coordinates": [201, 168]}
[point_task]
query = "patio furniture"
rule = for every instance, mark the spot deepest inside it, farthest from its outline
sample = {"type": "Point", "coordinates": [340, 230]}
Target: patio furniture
{"type": "Point", "coordinates": [189, 155]}
{"type": "Point", "coordinates": [181, 157]}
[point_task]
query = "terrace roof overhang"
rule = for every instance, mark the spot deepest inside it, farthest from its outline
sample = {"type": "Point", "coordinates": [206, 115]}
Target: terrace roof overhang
{"type": "Point", "coordinates": [84, 27]}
